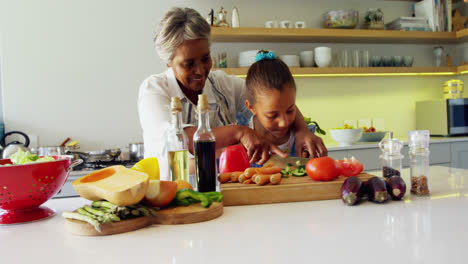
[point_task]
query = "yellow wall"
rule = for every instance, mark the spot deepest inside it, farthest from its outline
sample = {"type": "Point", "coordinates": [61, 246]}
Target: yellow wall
{"type": "Point", "coordinates": [329, 101]}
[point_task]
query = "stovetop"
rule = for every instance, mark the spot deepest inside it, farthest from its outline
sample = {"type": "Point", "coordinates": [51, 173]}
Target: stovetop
{"type": "Point", "coordinates": [97, 165]}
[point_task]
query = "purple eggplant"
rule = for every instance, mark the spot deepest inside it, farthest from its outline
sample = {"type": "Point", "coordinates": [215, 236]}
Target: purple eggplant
{"type": "Point", "coordinates": [396, 187]}
{"type": "Point", "coordinates": [351, 190]}
{"type": "Point", "coordinates": [377, 190]}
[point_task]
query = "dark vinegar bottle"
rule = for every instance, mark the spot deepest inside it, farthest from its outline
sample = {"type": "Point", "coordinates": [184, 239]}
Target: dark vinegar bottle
{"type": "Point", "coordinates": [204, 149]}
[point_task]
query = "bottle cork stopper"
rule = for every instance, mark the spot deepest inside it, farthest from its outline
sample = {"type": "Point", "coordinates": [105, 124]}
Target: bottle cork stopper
{"type": "Point", "coordinates": [203, 103]}
{"type": "Point", "coordinates": [176, 105]}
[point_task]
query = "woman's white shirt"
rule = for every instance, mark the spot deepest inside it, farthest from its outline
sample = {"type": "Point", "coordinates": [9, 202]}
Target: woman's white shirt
{"type": "Point", "coordinates": [226, 97]}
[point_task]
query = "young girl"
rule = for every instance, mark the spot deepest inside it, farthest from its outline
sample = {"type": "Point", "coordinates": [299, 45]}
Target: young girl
{"type": "Point", "coordinates": [271, 97]}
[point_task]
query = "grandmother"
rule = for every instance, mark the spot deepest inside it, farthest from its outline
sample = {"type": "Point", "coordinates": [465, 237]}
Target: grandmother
{"type": "Point", "coordinates": [183, 43]}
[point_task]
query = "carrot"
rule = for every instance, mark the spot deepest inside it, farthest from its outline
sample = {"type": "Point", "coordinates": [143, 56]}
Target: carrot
{"type": "Point", "coordinates": [242, 178]}
{"type": "Point", "coordinates": [249, 181]}
{"type": "Point", "coordinates": [224, 177]}
{"type": "Point", "coordinates": [249, 172]}
{"type": "Point", "coordinates": [235, 176]}
{"type": "Point", "coordinates": [275, 178]}
{"type": "Point", "coordinates": [271, 170]}
{"type": "Point", "coordinates": [261, 179]}
{"type": "Point", "coordinates": [267, 165]}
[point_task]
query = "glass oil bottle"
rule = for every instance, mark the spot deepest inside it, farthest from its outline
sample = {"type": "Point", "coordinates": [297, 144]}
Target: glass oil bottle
{"type": "Point", "coordinates": [177, 144]}
{"type": "Point", "coordinates": [204, 148]}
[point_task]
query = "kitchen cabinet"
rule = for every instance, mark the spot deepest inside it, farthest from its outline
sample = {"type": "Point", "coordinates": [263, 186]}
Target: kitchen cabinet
{"type": "Point", "coordinates": [459, 155]}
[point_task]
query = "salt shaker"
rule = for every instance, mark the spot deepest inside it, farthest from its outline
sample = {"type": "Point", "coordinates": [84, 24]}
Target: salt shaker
{"type": "Point", "coordinates": [391, 156]}
{"type": "Point", "coordinates": [418, 141]}
{"type": "Point", "coordinates": [235, 18]}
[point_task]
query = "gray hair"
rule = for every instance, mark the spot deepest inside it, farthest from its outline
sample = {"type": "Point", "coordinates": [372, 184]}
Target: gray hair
{"type": "Point", "coordinates": [177, 26]}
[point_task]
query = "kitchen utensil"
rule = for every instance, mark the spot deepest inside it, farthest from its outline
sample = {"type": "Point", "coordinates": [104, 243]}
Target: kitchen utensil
{"type": "Point", "coordinates": [453, 89]}
{"type": "Point", "coordinates": [285, 24]}
{"type": "Point", "coordinates": [51, 151]}
{"type": "Point", "coordinates": [193, 213]}
{"type": "Point", "coordinates": [346, 137]}
{"type": "Point", "coordinates": [64, 142]}
{"type": "Point", "coordinates": [11, 148]}
{"type": "Point", "coordinates": [408, 61]}
{"type": "Point", "coordinates": [23, 188]}
{"type": "Point", "coordinates": [271, 24]}
{"type": "Point", "coordinates": [290, 60]}
{"type": "Point", "coordinates": [365, 58]}
{"type": "Point", "coordinates": [341, 19]}
{"type": "Point", "coordinates": [438, 51]}
{"type": "Point", "coordinates": [300, 24]}
{"type": "Point", "coordinates": [387, 61]}
{"type": "Point", "coordinates": [322, 56]}
{"type": "Point", "coordinates": [376, 61]}
{"type": "Point", "coordinates": [136, 151]}
{"type": "Point", "coordinates": [292, 189]}
{"type": "Point", "coordinates": [356, 58]}
{"type": "Point", "coordinates": [235, 17]}
{"type": "Point", "coordinates": [247, 58]}
{"type": "Point", "coordinates": [397, 61]}
{"type": "Point", "coordinates": [345, 58]}
{"type": "Point", "coordinates": [373, 136]}
{"type": "Point", "coordinates": [98, 155]}
{"type": "Point", "coordinates": [306, 58]}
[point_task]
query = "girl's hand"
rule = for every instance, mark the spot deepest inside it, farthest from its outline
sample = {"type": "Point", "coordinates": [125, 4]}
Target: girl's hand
{"type": "Point", "coordinates": [258, 149]}
{"type": "Point", "coordinates": [309, 145]}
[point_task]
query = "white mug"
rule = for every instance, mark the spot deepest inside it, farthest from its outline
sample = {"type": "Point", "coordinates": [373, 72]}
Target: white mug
{"type": "Point", "coordinates": [271, 24]}
{"type": "Point", "coordinates": [285, 24]}
{"type": "Point", "coordinates": [300, 24]}
{"type": "Point", "coordinates": [306, 58]}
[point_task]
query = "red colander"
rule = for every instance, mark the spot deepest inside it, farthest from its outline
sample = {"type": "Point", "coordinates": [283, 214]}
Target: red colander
{"type": "Point", "coordinates": [23, 188]}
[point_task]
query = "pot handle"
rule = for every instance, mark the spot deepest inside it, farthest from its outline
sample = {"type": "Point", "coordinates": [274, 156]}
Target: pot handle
{"type": "Point", "coordinates": [82, 155]}
{"type": "Point", "coordinates": [75, 163]}
{"type": "Point", "coordinates": [26, 139]}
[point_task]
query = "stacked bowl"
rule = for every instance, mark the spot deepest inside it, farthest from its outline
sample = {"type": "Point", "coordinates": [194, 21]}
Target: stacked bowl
{"type": "Point", "coordinates": [247, 58]}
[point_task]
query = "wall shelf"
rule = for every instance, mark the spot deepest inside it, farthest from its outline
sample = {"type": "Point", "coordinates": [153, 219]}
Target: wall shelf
{"type": "Point", "coordinates": [334, 35]}
{"type": "Point", "coordinates": [361, 72]}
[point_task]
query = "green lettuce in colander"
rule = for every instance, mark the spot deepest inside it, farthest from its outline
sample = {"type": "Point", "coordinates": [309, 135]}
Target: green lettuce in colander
{"type": "Point", "coordinates": [21, 157]}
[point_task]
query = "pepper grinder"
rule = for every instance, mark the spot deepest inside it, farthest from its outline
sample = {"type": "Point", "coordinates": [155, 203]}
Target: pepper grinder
{"type": "Point", "coordinates": [391, 156]}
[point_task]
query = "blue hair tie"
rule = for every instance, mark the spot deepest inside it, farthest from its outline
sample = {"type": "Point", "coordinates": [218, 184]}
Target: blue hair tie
{"type": "Point", "coordinates": [265, 56]}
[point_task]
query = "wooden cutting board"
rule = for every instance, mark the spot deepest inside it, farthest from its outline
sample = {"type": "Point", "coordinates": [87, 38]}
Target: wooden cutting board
{"type": "Point", "coordinates": [169, 216]}
{"type": "Point", "coordinates": [292, 189]}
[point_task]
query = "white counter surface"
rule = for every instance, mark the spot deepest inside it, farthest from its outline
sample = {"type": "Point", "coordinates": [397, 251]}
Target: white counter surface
{"type": "Point", "coordinates": [417, 230]}
{"type": "Point", "coordinates": [333, 146]}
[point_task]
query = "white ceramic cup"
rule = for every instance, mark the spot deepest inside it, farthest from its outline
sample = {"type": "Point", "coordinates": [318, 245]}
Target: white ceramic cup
{"type": "Point", "coordinates": [271, 24]}
{"type": "Point", "coordinates": [290, 60]}
{"type": "Point", "coordinates": [323, 56]}
{"type": "Point", "coordinates": [300, 24]}
{"type": "Point", "coordinates": [285, 24]}
{"type": "Point", "coordinates": [306, 58]}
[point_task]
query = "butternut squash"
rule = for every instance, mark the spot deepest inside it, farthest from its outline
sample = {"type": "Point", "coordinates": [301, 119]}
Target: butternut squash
{"type": "Point", "coordinates": [116, 184]}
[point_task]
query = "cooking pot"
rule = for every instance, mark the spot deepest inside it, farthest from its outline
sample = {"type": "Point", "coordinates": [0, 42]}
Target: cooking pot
{"type": "Point", "coordinates": [136, 151]}
{"type": "Point", "coordinates": [97, 155]}
{"type": "Point", "coordinates": [11, 148]}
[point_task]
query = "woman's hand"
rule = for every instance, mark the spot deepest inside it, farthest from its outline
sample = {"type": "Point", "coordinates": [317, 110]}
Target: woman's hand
{"type": "Point", "coordinates": [308, 145]}
{"type": "Point", "coordinates": [257, 148]}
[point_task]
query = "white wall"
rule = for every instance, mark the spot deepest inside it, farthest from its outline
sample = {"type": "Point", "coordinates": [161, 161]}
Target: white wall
{"type": "Point", "coordinates": [72, 68]}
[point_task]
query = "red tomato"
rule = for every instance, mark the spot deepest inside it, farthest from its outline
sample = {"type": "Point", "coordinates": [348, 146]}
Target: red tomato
{"type": "Point", "coordinates": [233, 158]}
{"type": "Point", "coordinates": [322, 169]}
{"type": "Point", "coordinates": [349, 167]}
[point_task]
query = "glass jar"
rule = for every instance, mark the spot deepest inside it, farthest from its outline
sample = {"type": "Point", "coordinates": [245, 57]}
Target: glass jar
{"type": "Point", "coordinates": [453, 89]}
{"type": "Point", "coordinates": [418, 142]}
{"type": "Point", "coordinates": [391, 156]}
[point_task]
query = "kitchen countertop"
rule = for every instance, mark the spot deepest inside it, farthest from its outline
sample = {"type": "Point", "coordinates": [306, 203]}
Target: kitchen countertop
{"type": "Point", "coordinates": [333, 146]}
{"type": "Point", "coordinates": [417, 230]}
